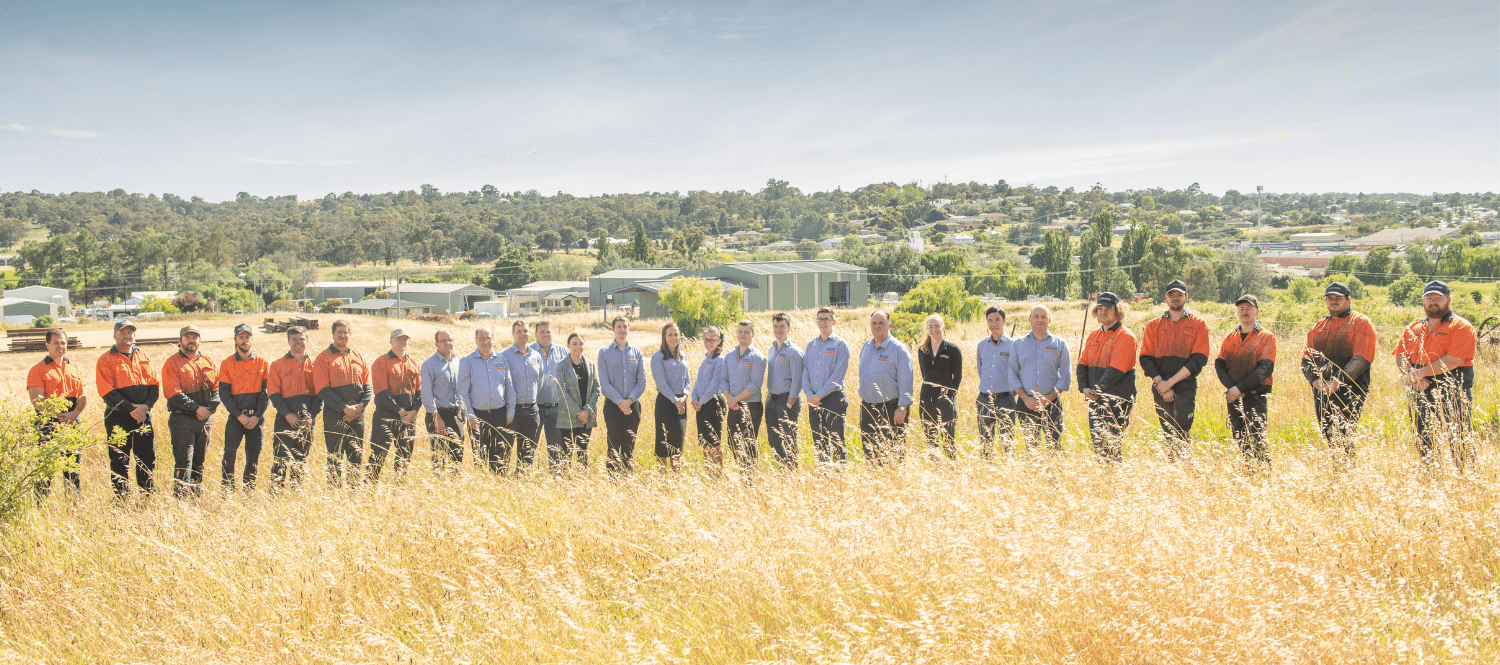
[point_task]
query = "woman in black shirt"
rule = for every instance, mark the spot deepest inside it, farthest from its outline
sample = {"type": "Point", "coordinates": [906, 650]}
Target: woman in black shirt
{"type": "Point", "coordinates": [942, 370]}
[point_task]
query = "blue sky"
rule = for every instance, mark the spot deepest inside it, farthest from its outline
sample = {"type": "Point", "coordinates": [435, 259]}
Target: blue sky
{"type": "Point", "coordinates": [307, 98]}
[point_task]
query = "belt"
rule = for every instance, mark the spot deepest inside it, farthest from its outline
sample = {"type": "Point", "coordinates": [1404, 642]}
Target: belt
{"type": "Point", "coordinates": [995, 394]}
{"type": "Point", "coordinates": [447, 408]}
{"type": "Point", "coordinates": [489, 411]}
{"type": "Point", "coordinates": [546, 404]}
{"type": "Point", "coordinates": [779, 395]}
{"type": "Point", "coordinates": [530, 405]}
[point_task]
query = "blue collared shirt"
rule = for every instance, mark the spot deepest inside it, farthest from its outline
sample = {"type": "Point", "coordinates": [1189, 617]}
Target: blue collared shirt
{"type": "Point", "coordinates": [784, 369]}
{"type": "Point", "coordinates": [994, 364]}
{"type": "Point", "coordinates": [622, 373]}
{"type": "Point", "coordinates": [744, 372]}
{"type": "Point", "coordinates": [440, 382]}
{"type": "Point", "coordinates": [1039, 367]}
{"type": "Point", "coordinates": [824, 366]}
{"type": "Point", "coordinates": [525, 375]}
{"type": "Point", "coordinates": [710, 381]}
{"type": "Point", "coordinates": [549, 392]}
{"type": "Point", "coordinates": [670, 375]}
{"type": "Point", "coordinates": [483, 384]}
{"type": "Point", "coordinates": [885, 371]}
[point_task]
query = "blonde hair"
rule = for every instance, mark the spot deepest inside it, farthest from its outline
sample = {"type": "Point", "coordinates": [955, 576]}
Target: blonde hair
{"type": "Point", "coordinates": [926, 336]}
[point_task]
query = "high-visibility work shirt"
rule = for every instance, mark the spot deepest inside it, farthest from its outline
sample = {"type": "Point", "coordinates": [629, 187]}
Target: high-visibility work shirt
{"type": "Point", "coordinates": [1422, 344]}
{"type": "Point", "coordinates": [56, 378]}
{"type": "Point", "coordinates": [190, 382]}
{"type": "Point", "coordinates": [341, 379]}
{"type": "Point", "coordinates": [1247, 361]}
{"type": "Point", "coordinates": [1167, 346]}
{"type": "Point", "coordinates": [397, 382]}
{"type": "Point", "coordinates": [290, 385]}
{"type": "Point", "coordinates": [242, 385]}
{"type": "Point", "coordinates": [1108, 361]}
{"type": "Point", "coordinates": [1337, 339]}
{"type": "Point", "coordinates": [126, 379]}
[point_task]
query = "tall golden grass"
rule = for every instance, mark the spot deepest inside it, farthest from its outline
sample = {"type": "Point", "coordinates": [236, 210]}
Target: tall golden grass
{"type": "Point", "coordinates": [1036, 556]}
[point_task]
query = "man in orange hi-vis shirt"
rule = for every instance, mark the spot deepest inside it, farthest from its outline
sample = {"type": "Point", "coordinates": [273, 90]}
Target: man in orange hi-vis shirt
{"type": "Point", "coordinates": [341, 378]}
{"type": "Point", "coordinates": [1246, 364]}
{"type": "Point", "coordinates": [242, 392]}
{"type": "Point", "coordinates": [1336, 363]}
{"type": "Point", "coordinates": [1436, 357]}
{"type": "Point", "coordinates": [126, 380]}
{"type": "Point", "coordinates": [190, 382]}
{"type": "Point", "coordinates": [1106, 376]}
{"type": "Point", "coordinates": [396, 380]}
{"type": "Point", "coordinates": [56, 376]}
{"type": "Point", "coordinates": [1174, 351]}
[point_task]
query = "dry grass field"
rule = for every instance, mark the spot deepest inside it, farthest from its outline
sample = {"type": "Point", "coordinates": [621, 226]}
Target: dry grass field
{"type": "Point", "coordinates": [1033, 557]}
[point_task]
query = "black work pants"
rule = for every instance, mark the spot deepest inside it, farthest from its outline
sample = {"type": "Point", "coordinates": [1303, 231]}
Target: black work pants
{"type": "Point", "coordinates": [1247, 424]}
{"type": "Point", "coordinates": [1049, 421]}
{"type": "Point", "coordinates": [1108, 419]}
{"type": "Point", "coordinates": [189, 448]}
{"type": "Point", "coordinates": [525, 431]}
{"type": "Point", "coordinates": [1177, 415]}
{"type": "Point", "coordinates": [1338, 416]}
{"type": "Point", "coordinates": [289, 449]}
{"type": "Point", "coordinates": [881, 438]}
{"type": "Point", "coordinates": [744, 432]}
{"type": "Point", "coordinates": [140, 443]}
{"type": "Point", "coordinates": [574, 448]}
{"type": "Point", "coordinates": [253, 438]}
{"type": "Point", "coordinates": [619, 432]}
{"type": "Point", "coordinates": [670, 427]}
{"type": "Point", "coordinates": [44, 433]}
{"type": "Point", "coordinates": [781, 428]}
{"type": "Point", "coordinates": [491, 445]}
{"type": "Point", "coordinates": [1442, 413]}
{"type": "Point", "coordinates": [940, 420]}
{"type": "Point", "coordinates": [447, 448]}
{"type": "Point", "coordinates": [390, 432]}
{"type": "Point", "coordinates": [997, 417]}
{"type": "Point", "coordinates": [345, 442]}
{"type": "Point", "coordinates": [710, 421]}
{"type": "Point", "coordinates": [828, 420]}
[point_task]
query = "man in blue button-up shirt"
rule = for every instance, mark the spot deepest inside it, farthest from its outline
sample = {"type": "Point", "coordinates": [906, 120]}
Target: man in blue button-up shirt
{"type": "Point", "coordinates": [440, 400]}
{"type": "Point", "coordinates": [522, 422]}
{"type": "Point", "coordinates": [483, 388]}
{"type": "Point", "coordinates": [997, 400]}
{"type": "Point", "coordinates": [622, 379]}
{"type": "Point", "coordinates": [744, 371]}
{"type": "Point", "coordinates": [824, 367]}
{"type": "Point", "coordinates": [783, 390]}
{"type": "Point", "coordinates": [550, 391]}
{"type": "Point", "coordinates": [885, 379]}
{"type": "Point", "coordinates": [1040, 372]}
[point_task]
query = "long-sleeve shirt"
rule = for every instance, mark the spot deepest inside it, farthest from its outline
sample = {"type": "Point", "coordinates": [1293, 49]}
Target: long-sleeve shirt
{"type": "Point", "coordinates": [993, 359]}
{"type": "Point", "coordinates": [1038, 367]}
{"type": "Point", "coordinates": [622, 372]}
{"type": "Point", "coordinates": [1247, 360]}
{"type": "Point", "coordinates": [1168, 346]}
{"type": "Point", "coordinates": [483, 383]}
{"type": "Point", "coordinates": [242, 385]}
{"type": "Point", "coordinates": [885, 371]}
{"type": "Point", "coordinates": [824, 366]}
{"type": "Point", "coordinates": [670, 376]}
{"type": "Point", "coordinates": [440, 382]}
{"type": "Point", "coordinates": [525, 369]}
{"type": "Point", "coordinates": [125, 380]}
{"type": "Point", "coordinates": [290, 384]}
{"type": "Point", "coordinates": [710, 381]}
{"type": "Point", "coordinates": [784, 369]}
{"type": "Point", "coordinates": [548, 391]}
{"type": "Point", "coordinates": [397, 382]}
{"type": "Point", "coordinates": [942, 371]}
{"type": "Point", "coordinates": [744, 371]}
{"type": "Point", "coordinates": [341, 378]}
{"type": "Point", "coordinates": [190, 382]}
{"type": "Point", "coordinates": [1341, 346]}
{"type": "Point", "coordinates": [1107, 363]}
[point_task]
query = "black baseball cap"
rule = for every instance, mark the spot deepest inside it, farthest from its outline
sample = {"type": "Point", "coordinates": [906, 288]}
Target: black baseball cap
{"type": "Point", "coordinates": [1107, 299]}
{"type": "Point", "coordinates": [1436, 286]}
{"type": "Point", "coordinates": [1249, 298]}
{"type": "Point", "coordinates": [243, 327]}
{"type": "Point", "coordinates": [1339, 288]}
{"type": "Point", "coordinates": [1176, 285]}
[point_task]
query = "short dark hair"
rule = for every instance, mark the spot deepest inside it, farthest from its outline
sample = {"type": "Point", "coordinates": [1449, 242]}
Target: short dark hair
{"type": "Point", "coordinates": [56, 332]}
{"type": "Point", "coordinates": [439, 332]}
{"type": "Point", "coordinates": [517, 322]}
{"type": "Point", "coordinates": [781, 316]}
{"type": "Point", "coordinates": [827, 310]}
{"type": "Point", "coordinates": [746, 322]}
{"type": "Point", "coordinates": [295, 330]}
{"type": "Point", "coordinates": [570, 337]}
{"type": "Point", "coordinates": [341, 323]}
{"type": "Point", "coordinates": [619, 319]}
{"type": "Point", "coordinates": [995, 309]}
{"type": "Point", "coordinates": [538, 325]}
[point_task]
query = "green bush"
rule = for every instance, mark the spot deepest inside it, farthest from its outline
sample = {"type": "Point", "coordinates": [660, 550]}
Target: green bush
{"type": "Point", "coordinates": [330, 306]}
{"type": "Point", "coordinates": [27, 463]}
{"type": "Point", "coordinates": [44, 321]}
{"type": "Point", "coordinates": [155, 304]}
{"type": "Point", "coordinates": [283, 306]}
{"type": "Point", "coordinates": [697, 303]}
{"type": "Point", "coordinates": [941, 295]}
{"type": "Point", "coordinates": [1302, 290]}
{"type": "Point", "coordinates": [1407, 291]}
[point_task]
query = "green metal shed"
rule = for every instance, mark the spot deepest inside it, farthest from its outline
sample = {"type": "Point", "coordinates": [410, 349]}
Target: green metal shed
{"type": "Point", "coordinates": [782, 285]}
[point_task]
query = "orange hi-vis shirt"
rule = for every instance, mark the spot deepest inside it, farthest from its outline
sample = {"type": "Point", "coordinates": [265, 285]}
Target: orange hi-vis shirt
{"type": "Point", "coordinates": [242, 384]}
{"type": "Point", "coordinates": [189, 383]}
{"type": "Point", "coordinates": [124, 380]}
{"type": "Point", "coordinates": [289, 382]}
{"type": "Point", "coordinates": [1334, 341]}
{"type": "Point", "coordinates": [1423, 345]}
{"type": "Point", "coordinates": [1105, 350]}
{"type": "Point", "coordinates": [341, 379]}
{"type": "Point", "coordinates": [1167, 346]}
{"type": "Point", "coordinates": [56, 378]}
{"type": "Point", "coordinates": [1240, 356]}
{"type": "Point", "coordinates": [397, 383]}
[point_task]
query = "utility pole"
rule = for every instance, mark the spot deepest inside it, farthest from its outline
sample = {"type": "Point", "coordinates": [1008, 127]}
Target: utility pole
{"type": "Point", "coordinates": [1258, 190]}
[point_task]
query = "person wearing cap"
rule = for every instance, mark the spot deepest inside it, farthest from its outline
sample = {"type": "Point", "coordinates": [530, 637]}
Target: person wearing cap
{"type": "Point", "coordinates": [1174, 350]}
{"type": "Point", "coordinates": [1246, 365]}
{"type": "Point", "coordinates": [1106, 376]}
{"type": "Point", "coordinates": [996, 405]}
{"type": "Point", "coordinates": [549, 392]}
{"type": "Point", "coordinates": [440, 399]}
{"type": "Point", "coordinates": [885, 378]}
{"type": "Point", "coordinates": [190, 382]}
{"type": "Point", "coordinates": [483, 389]}
{"type": "Point", "coordinates": [1336, 362]}
{"type": "Point", "coordinates": [622, 380]}
{"type": "Point", "coordinates": [56, 377]}
{"type": "Point", "coordinates": [396, 381]}
{"type": "Point", "coordinates": [341, 376]}
{"type": "Point", "coordinates": [783, 389]}
{"type": "Point", "coordinates": [523, 421]}
{"type": "Point", "coordinates": [242, 392]}
{"type": "Point", "coordinates": [1039, 374]}
{"type": "Point", "coordinates": [126, 380]}
{"type": "Point", "coordinates": [290, 385]}
{"type": "Point", "coordinates": [825, 365]}
{"type": "Point", "coordinates": [1436, 358]}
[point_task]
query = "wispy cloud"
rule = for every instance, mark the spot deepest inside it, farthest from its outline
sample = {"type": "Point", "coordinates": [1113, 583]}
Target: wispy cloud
{"type": "Point", "coordinates": [65, 133]}
{"type": "Point", "coordinates": [299, 162]}
{"type": "Point", "coordinates": [1318, 23]}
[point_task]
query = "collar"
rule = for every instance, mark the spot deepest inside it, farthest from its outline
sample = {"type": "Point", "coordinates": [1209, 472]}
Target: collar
{"type": "Point", "coordinates": [289, 356]}
{"type": "Point", "coordinates": [830, 338]}
{"type": "Point", "coordinates": [881, 345]}
{"type": "Point", "coordinates": [337, 351]}
{"type": "Point", "coordinates": [1344, 314]}
{"type": "Point", "coordinates": [1186, 314]}
{"type": "Point", "coordinates": [480, 355]}
{"type": "Point", "coordinates": [1112, 328]}
{"type": "Point", "coordinates": [616, 345]}
{"type": "Point", "coordinates": [133, 349]}
{"type": "Point", "coordinates": [48, 359]}
{"type": "Point", "coordinates": [439, 356]}
{"type": "Point", "coordinates": [393, 355]}
{"type": "Point", "coordinates": [180, 353]}
{"type": "Point", "coordinates": [995, 342]}
{"type": "Point", "coordinates": [1242, 331]}
{"type": "Point", "coordinates": [1032, 337]}
{"type": "Point", "coordinates": [1447, 318]}
{"type": "Point", "coordinates": [249, 357]}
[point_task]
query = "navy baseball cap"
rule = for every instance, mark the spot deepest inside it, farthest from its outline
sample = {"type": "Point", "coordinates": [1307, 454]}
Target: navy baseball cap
{"type": "Point", "coordinates": [1436, 286]}
{"type": "Point", "coordinates": [1107, 299]}
{"type": "Point", "coordinates": [1339, 288]}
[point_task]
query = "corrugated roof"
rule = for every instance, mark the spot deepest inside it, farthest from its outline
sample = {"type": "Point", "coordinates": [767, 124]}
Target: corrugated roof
{"type": "Point", "coordinates": [552, 286]}
{"type": "Point", "coordinates": [786, 267]}
{"type": "Point", "coordinates": [1401, 236]}
{"type": "Point", "coordinates": [644, 273]}
{"type": "Point", "coordinates": [656, 285]}
{"type": "Point", "coordinates": [342, 285]}
{"type": "Point", "coordinates": [417, 287]}
{"type": "Point", "coordinates": [383, 303]}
